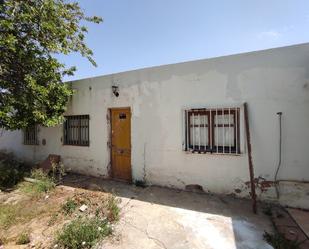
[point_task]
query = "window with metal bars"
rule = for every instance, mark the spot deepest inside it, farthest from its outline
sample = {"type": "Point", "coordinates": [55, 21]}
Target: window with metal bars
{"type": "Point", "coordinates": [214, 130]}
{"type": "Point", "coordinates": [76, 130]}
{"type": "Point", "coordinates": [31, 135]}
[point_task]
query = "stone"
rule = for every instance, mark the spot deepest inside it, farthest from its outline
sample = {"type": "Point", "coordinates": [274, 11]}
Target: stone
{"type": "Point", "coordinates": [194, 188]}
{"type": "Point", "coordinates": [83, 208]}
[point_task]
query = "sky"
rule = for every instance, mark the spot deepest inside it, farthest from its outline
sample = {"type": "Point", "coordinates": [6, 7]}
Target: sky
{"type": "Point", "coordinates": [144, 33]}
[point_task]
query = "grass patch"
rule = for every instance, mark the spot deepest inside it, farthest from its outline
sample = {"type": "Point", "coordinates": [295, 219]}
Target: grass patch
{"type": "Point", "coordinates": [42, 184]}
{"type": "Point", "coordinates": [92, 225]}
{"type": "Point", "coordinates": [18, 213]}
{"type": "Point", "coordinates": [23, 239]}
{"type": "Point", "coordinates": [113, 208]}
{"type": "Point", "coordinates": [53, 219]}
{"type": "Point", "coordinates": [8, 214]}
{"type": "Point", "coordinates": [22, 212]}
{"type": "Point", "coordinates": [69, 206]}
{"type": "Point", "coordinates": [278, 241]}
{"type": "Point", "coordinates": [59, 212]}
{"type": "Point", "coordinates": [83, 233]}
{"type": "Point", "coordinates": [101, 207]}
{"type": "Point", "coordinates": [11, 214]}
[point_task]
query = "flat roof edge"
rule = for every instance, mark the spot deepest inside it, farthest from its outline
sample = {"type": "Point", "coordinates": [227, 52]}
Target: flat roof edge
{"type": "Point", "coordinates": [192, 61]}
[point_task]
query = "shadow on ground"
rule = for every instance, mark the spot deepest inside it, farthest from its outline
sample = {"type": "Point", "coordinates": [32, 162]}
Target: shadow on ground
{"type": "Point", "coordinates": [156, 217]}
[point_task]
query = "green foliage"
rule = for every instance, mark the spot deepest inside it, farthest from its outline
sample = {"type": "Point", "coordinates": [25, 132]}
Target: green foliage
{"type": "Point", "coordinates": [58, 171]}
{"type": "Point", "coordinates": [113, 208]}
{"type": "Point", "coordinates": [32, 33]}
{"type": "Point", "coordinates": [42, 184]}
{"type": "Point", "coordinates": [23, 239]}
{"type": "Point", "coordinates": [21, 212]}
{"type": "Point", "coordinates": [278, 241]}
{"type": "Point", "coordinates": [69, 206]}
{"type": "Point", "coordinates": [11, 171]}
{"type": "Point", "coordinates": [83, 233]}
{"type": "Point", "coordinates": [8, 214]}
{"type": "Point", "coordinates": [140, 183]}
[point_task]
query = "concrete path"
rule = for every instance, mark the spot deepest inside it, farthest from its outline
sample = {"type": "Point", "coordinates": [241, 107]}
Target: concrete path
{"type": "Point", "coordinates": [293, 224]}
{"type": "Point", "coordinates": [156, 218]}
{"type": "Point", "coordinates": [302, 219]}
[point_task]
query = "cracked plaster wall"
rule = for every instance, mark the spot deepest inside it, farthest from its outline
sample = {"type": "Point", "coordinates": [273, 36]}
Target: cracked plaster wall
{"type": "Point", "coordinates": [269, 81]}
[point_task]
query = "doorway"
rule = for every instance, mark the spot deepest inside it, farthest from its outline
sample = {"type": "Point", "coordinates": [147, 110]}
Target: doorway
{"type": "Point", "coordinates": [121, 144]}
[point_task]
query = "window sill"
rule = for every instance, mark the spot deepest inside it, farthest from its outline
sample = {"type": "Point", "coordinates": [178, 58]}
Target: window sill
{"type": "Point", "coordinates": [213, 153]}
{"type": "Point", "coordinates": [76, 145]}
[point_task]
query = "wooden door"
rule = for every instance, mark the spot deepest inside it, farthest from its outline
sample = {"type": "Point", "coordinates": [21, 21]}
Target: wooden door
{"type": "Point", "coordinates": [121, 143]}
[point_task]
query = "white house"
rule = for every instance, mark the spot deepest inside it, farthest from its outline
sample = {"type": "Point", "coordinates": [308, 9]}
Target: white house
{"type": "Point", "coordinates": [183, 124]}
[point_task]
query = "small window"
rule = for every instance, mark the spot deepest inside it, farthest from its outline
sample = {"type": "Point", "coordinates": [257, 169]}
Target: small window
{"type": "Point", "coordinates": [76, 130]}
{"type": "Point", "coordinates": [212, 130]}
{"type": "Point", "coordinates": [122, 116]}
{"type": "Point", "coordinates": [31, 135]}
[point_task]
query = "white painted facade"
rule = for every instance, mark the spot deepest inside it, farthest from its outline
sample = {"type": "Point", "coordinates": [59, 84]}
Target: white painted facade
{"type": "Point", "coordinates": [269, 81]}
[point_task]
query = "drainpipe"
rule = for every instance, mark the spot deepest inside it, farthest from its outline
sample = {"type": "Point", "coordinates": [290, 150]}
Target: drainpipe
{"type": "Point", "coordinates": [280, 153]}
{"type": "Point", "coordinates": [251, 169]}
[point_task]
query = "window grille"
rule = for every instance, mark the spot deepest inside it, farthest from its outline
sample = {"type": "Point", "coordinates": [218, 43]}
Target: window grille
{"type": "Point", "coordinates": [213, 130]}
{"type": "Point", "coordinates": [76, 130]}
{"type": "Point", "coordinates": [31, 135]}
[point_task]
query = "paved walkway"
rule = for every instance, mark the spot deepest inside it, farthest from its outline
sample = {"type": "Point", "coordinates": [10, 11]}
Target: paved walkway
{"type": "Point", "coordinates": [156, 218]}
{"type": "Point", "coordinates": [293, 224]}
{"type": "Point", "coordinates": [302, 219]}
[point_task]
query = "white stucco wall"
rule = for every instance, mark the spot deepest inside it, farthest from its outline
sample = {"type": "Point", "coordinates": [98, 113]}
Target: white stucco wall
{"type": "Point", "coordinates": [269, 81]}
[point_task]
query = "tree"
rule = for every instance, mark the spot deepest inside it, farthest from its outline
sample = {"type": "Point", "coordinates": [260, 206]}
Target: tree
{"type": "Point", "coordinates": [32, 33]}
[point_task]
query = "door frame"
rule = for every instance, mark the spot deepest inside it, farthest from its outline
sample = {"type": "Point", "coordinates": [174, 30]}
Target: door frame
{"type": "Point", "coordinates": [111, 141]}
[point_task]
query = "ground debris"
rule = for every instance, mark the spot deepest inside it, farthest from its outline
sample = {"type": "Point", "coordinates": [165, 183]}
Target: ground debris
{"type": "Point", "coordinates": [43, 216]}
{"type": "Point", "coordinates": [83, 208]}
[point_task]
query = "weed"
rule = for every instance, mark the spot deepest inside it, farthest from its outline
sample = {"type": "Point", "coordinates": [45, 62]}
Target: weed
{"type": "Point", "coordinates": [69, 206]}
{"type": "Point", "coordinates": [10, 214]}
{"type": "Point", "coordinates": [53, 219]}
{"type": "Point", "coordinates": [22, 212]}
{"type": "Point", "coordinates": [12, 170]}
{"type": "Point", "coordinates": [97, 212]}
{"type": "Point", "coordinates": [140, 183]}
{"type": "Point", "coordinates": [113, 209]}
{"type": "Point", "coordinates": [42, 184]}
{"type": "Point", "coordinates": [38, 174]}
{"type": "Point", "coordinates": [83, 233]}
{"type": "Point", "coordinates": [267, 210]}
{"type": "Point", "coordinates": [58, 171]}
{"type": "Point", "coordinates": [23, 239]}
{"type": "Point", "coordinates": [278, 241]}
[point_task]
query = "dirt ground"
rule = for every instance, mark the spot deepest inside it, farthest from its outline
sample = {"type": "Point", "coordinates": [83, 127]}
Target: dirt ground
{"type": "Point", "coordinates": [151, 217]}
{"type": "Point", "coordinates": [41, 216]}
{"type": "Point", "coordinates": [155, 217]}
